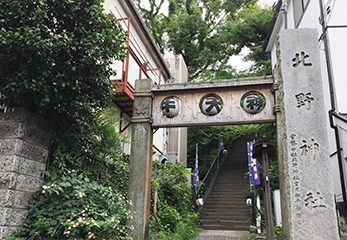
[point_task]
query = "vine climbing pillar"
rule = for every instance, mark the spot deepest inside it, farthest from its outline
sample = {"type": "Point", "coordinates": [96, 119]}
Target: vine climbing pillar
{"type": "Point", "coordinates": [139, 189]}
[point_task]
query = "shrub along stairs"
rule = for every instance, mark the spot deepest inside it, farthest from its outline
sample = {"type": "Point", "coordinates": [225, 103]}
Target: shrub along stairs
{"type": "Point", "coordinates": [225, 208]}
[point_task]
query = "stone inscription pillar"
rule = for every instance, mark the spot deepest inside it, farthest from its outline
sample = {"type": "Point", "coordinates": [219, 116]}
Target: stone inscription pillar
{"type": "Point", "coordinates": [139, 188]}
{"type": "Point", "coordinates": [24, 147]}
{"type": "Point", "coordinates": [307, 198]}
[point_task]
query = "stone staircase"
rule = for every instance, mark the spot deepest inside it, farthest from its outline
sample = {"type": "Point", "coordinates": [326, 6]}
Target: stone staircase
{"type": "Point", "coordinates": [225, 208]}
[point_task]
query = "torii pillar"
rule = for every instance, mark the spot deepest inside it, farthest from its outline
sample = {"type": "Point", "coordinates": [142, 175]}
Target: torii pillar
{"type": "Point", "coordinates": [139, 188]}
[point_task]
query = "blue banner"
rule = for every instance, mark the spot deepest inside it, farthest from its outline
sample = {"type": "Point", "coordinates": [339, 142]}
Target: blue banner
{"type": "Point", "coordinates": [253, 166]}
{"type": "Point", "coordinates": [196, 171]}
{"type": "Point", "coordinates": [220, 145]}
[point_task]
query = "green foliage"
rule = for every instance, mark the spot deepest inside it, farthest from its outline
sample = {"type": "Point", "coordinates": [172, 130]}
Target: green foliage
{"type": "Point", "coordinates": [101, 155]}
{"type": "Point", "coordinates": [173, 219]}
{"type": "Point", "coordinates": [342, 224]}
{"type": "Point", "coordinates": [249, 29]}
{"type": "Point", "coordinates": [173, 185]}
{"type": "Point", "coordinates": [186, 229]}
{"type": "Point", "coordinates": [68, 192]}
{"type": "Point", "coordinates": [71, 205]}
{"type": "Point", "coordinates": [208, 33]}
{"type": "Point", "coordinates": [278, 232]}
{"type": "Point", "coordinates": [194, 30]}
{"type": "Point", "coordinates": [152, 17]}
{"type": "Point", "coordinates": [55, 60]}
{"type": "Point", "coordinates": [207, 139]}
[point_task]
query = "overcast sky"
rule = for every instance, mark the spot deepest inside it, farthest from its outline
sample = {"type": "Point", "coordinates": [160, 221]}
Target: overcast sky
{"type": "Point", "coordinates": [268, 2]}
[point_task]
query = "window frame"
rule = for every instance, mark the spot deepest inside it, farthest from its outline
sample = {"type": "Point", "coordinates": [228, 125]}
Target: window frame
{"type": "Point", "coordinates": [303, 4]}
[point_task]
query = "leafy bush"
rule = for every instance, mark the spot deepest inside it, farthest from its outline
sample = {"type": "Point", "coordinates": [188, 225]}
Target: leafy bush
{"type": "Point", "coordinates": [55, 60]}
{"type": "Point", "coordinates": [173, 185]}
{"type": "Point", "coordinates": [186, 229]}
{"type": "Point", "coordinates": [101, 156]}
{"type": "Point", "coordinates": [72, 206]}
{"type": "Point", "coordinates": [167, 218]}
{"type": "Point", "coordinates": [173, 219]}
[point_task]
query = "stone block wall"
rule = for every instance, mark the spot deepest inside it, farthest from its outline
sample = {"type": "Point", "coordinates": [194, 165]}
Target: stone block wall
{"type": "Point", "coordinates": [24, 147]}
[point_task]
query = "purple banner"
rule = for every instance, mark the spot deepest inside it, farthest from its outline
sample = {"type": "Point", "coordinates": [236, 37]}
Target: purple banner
{"type": "Point", "coordinates": [196, 171]}
{"type": "Point", "coordinates": [220, 145]}
{"type": "Point", "coordinates": [253, 166]}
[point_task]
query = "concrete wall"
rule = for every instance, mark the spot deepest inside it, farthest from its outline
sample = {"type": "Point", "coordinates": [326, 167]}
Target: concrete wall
{"type": "Point", "coordinates": [24, 151]}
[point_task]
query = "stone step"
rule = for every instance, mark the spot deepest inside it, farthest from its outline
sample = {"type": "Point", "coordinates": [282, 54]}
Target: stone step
{"type": "Point", "coordinates": [226, 202]}
{"type": "Point", "coordinates": [227, 196]}
{"type": "Point", "coordinates": [226, 212]}
{"type": "Point", "coordinates": [223, 227]}
{"type": "Point", "coordinates": [225, 222]}
{"type": "Point", "coordinates": [230, 218]}
{"type": "Point", "coordinates": [229, 187]}
{"type": "Point", "coordinates": [222, 235]}
{"type": "Point", "coordinates": [226, 208]}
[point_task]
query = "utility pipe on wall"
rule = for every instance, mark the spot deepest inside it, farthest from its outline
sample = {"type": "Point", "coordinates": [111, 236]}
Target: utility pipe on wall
{"type": "Point", "coordinates": [285, 10]}
{"type": "Point", "coordinates": [332, 101]}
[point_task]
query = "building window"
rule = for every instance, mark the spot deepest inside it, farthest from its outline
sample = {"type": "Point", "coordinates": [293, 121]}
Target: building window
{"type": "Point", "coordinates": [299, 9]}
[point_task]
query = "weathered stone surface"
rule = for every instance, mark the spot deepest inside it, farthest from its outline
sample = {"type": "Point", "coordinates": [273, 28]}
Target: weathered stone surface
{"type": "Point", "coordinates": [8, 180]}
{"type": "Point", "coordinates": [12, 217]}
{"type": "Point", "coordinates": [23, 149]}
{"type": "Point", "coordinates": [9, 163]}
{"type": "Point", "coordinates": [33, 152]}
{"type": "Point", "coordinates": [7, 231]}
{"type": "Point", "coordinates": [20, 130]}
{"type": "Point", "coordinates": [18, 217]}
{"type": "Point", "coordinates": [28, 183]}
{"type": "Point", "coordinates": [141, 160]}
{"type": "Point", "coordinates": [307, 197]}
{"type": "Point", "coordinates": [21, 115]}
{"type": "Point", "coordinates": [16, 199]}
{"type": "Point", "coordinates": [21, 199]}
{"type": "Point", "coordinates": [6, 197]}
{"type": "Point", "coordinates": [5, 215]}
{"type": "Point", "coordinates": [31, 167]}
{"type": "Point", "coordinates": [8, 146]}
{"type": "Point", "coordinates": [11, 130]}
{"type": "Point", "coordinates": [23, 154]}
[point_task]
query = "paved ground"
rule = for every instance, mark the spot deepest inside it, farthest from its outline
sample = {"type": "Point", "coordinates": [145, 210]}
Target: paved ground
{"type": "Point", "coordinates": [221, 235]}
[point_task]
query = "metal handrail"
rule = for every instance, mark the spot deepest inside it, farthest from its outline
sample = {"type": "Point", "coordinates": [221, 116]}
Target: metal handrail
{"type": "Point", "coordinates": [211, 173]}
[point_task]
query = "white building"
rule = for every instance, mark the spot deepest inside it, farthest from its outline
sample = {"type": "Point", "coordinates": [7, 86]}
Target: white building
{"type": "Point", "coordinates": [145, 61]}
{"type": "Point", "coordinates": [293, 14]}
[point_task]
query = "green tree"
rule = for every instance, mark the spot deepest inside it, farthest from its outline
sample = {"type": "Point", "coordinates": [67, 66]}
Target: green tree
{"type": "Point", "coordinates": [154, 20]}
{"type": "Point", "coordinates": [249, 29]}
{"type": "Point", "coordinates": [208, 33]}
{"type": "Point", "coordinates": [55, 60]}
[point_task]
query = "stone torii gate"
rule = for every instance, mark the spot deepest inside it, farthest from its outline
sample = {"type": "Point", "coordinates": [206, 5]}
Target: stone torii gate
{"type": "Point", "coordinates": [308, 208]}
